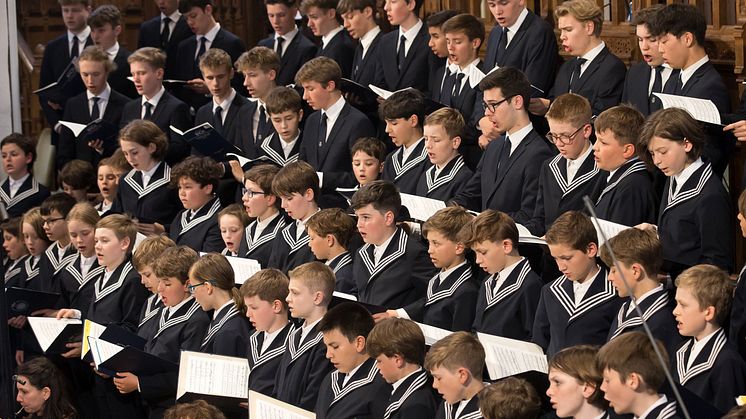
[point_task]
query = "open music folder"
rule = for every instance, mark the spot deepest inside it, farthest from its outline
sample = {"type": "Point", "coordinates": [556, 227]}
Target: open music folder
{"type": "Point", "coordinates": [222, 381]}
{"type": "Point", "coordinates": [53, 334]}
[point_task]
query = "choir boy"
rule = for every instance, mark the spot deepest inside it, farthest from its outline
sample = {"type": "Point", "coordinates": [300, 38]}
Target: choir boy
{"type": "Point", "coordinates": [324, 21]}
{"type": "Point", "coordinates": [359, 18]}
{"type": "Point", "coordinates": [261, 204]}
{"type": "Point", "coordinates": [165, 31]}
{"type": "Point", "coordinates": [285, 110]}
{"type": "Point", "coordinates": [404, 55]}
{"type": "Point", "coordinates": [293, 48]}
{"type": "Point", "coordinates": [20, 191]}
{"type": "Point", "coordinates": [143, 261]}
{"type": "Point", "coordinates": [54, 212]}
{"type": "Point", "coordinates": [330, 232]}
{"type": "Point", "coordinates": [106, 26]}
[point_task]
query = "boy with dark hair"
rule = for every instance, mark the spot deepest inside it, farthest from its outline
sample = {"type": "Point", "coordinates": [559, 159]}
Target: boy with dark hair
{"type": "Point", "coordinates": [57, 256]}
{"type": "Point", "coordinates": [438, 46]}
{"type": "Point", "coordinates": [508, 298]}
{"type": "Point", "coordinates": [106, 26]}
{"type": "Point", "coordinates": [405, 56]}
{"type": "Point", "coordinates": [20, 191]}
{"type": "Point", "coordinates": [507, 176]}
{"type": "Point", "coordinates": [330, 232]}
{"type": "Point", "coordinates": [334, 127]}
{"type": "Point", "coordinates": [368, 156]}
{"type": "Point", "coordinates": [196, 226]}
{"type": "Point", "coordinates": [297, 186]}
{"type": "Point", "coordinates": [392, 269]}
{"type": "Point", "coordinates": [285, 110]}
{"type": "Point", "coordinates": [77, 178]}
{"type": "Point", "coordinates": [99, 101]}
{"type": "Point", "coordinates": [165, 31]}
{"type": "Point", "coordinates": [640, 256]}
{"type": "Point", "coordinates": [681, 30]}
{"type": "Point", "coordinates": [208, 34]}
{"type": "Point", "coordinates": [293, 48]}
{"type": "Point", "coordinates": [263, 205]}
{"type": "Point", "coordinates": [398, 346]}
{"type": "Point", "coordinates": [324, 21]}
{"type": "Point", "coordinates": [264, 295]}
{"type": "Point", "coordinates": [706, 364]}
{"type": "Point", "coordinates": [359, 18]}
{"type": "Point", "coordinates": [510, 397]}
{"type": "Point", "coordinates": [578, 307]}
{"type": "Point", "coordinates": [354, 389]}
{"type": "Point", "coordinates": [456, 363]}
{"type": "Point", "coordinates": [404, 114]}
{"type": "Point", "coordinates": [624, 193]}
{"type": "Point", "coordinates": [303, 366]}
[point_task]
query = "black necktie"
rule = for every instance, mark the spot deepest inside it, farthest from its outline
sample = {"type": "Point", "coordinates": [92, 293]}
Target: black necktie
{"type": "Point", "coordinates": [678, 85]}
{"type": "Point", "coordinates": [357, 60]}
{"type": "Point", "coordinates": [280, 41]}
{"type": "Point", "coordinates": [493, 283]}
{"type": "Point", "coordinates": [400, 55]}
{"type": "Point", "coordinates": [297, 337]}
{"type": "Point", "coordinates": [218, 119]}
{"type": "Point", "coordinates": [261, 127]}
{"type": "Point", "coordinates": [76, 47]}
{"type": "Point", "coordinates": [202, 49]}
{"type": "Point", "coordinates": [322, 129]}
{"type": "Point", "coordinates": [502, 161]}
{"type": "Point", "coordinates": [501, 47]}
{"type": "Point", "coordinates": [436, 283]}
{"type": "Point", "coordinates": [341, 380]}
{"type": "Point", "coordinates": [447, 90]}
{"type": "Point", "coordinates": [575, 76]}
{"type": "Point", "coordinates": [673, 185]}
{"type": "Point", "coordinates": [457, 87]}
{"type": "Point", "coordinates": [657, 88]}
{"type": "Point", "coordinates": [673, 79]}
{"type": "Point", "coordinates": [148, 110]}
{"type": "Point", "coordinates": [166, 32]}
{"type": "Point", "coordinates": [95, 111]}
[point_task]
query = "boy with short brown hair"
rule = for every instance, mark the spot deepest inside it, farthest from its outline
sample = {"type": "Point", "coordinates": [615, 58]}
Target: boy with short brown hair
{"type": "Point", "coordinates": [285, 110]}
{"type": "Point", "coordinates": [368, 155]}
{"type": "Point", "coordinates": [324, 22]}
{"type": "Point", "coordinates": [510, 398]}
{"type": "Point", "coordinates": [260, 67]}
{"type": "Point", "coordinates": [143, 261]}
{"type": "Point", "coordinates": [263, 205]}
{"type": "Point", "coordinates": [330, 233]}
{"type": "Point", "coordinates": [106, 26]}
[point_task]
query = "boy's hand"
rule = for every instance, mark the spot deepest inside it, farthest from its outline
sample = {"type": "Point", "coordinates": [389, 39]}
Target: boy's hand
{"type": "Point", "coordinates": [738, 128]}
{"type": "Point", "coordinates": [66, 313]}
{"type": "Point", "coordinates": [100, 374]}
{"type": "Point", "coordinates": [648, 226]}
{"type": "Point", "coordinates": [198, 85]}
{"type": "Point", "coordinates": [236, 170]}
{"type": "Point", "coordinates": [45, 312]}
{"type": "Point", "coordinates": [126, 382]}
{"type": "Point", "coordinates": [97, 145]}
{"type": "Point", "coordinates": [76, 348]}
{"type": "Point", "coordinates": [154, 229]}
{"type": "Point", "coordinates": [383, 316]}
{"type": "Point", "coordinates": [54, 105]}
{"type": "Point", "coordinates": [538, 106]}
{"type": "Point", "coordinates": [18, 322]}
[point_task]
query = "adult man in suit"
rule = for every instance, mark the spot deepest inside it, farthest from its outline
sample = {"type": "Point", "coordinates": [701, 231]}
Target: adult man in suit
{"type": "Point", "coordinates": [507, 177]}
{"type": "Point", "coordinates": [291, 46]}
{"type": "Point", "coordinates": [156, 104]}
{"type": "Point", "coordinates": [106, 26]}
{"type": "Point", "coordinates": [57, 56]}
{"type": "Point", "coordinates": [336, 43]}
{"type": "Point", "coordinates": [165, 31]}
{"type": "Point", "coordinates": [405, 56]}
{"type": "Point", "coordinates": [208, 34]}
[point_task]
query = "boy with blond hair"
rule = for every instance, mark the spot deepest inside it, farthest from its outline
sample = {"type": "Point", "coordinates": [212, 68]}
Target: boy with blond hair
{"type": "Point", "coordinates": [706, 364]}
{"type": "Point", "coordinates": [330, 232]}
{"type": "Point", "coordinates": [456, 363]}
{"type": "Point", "coordinates": [304, 365]}
{"type": "Point", "coordinates": [259, 67]}
{"type": "Point", "coordinates": [143, 261]}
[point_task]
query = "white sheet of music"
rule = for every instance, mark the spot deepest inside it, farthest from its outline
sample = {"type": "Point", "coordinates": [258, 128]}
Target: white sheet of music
{"type": "Point", "coordinates": [102, 350]}
{"type": "Point", "coordinates": [380, 92]}
{"type": "Point", "coordinates": [700, 109]}
{"type": "Point", "coordinates": [138, 239]}
{"type": "Point", "coordinates": [525, 236]}
{"type": "Point", "coordinates": [74, 127]}
{"type": "Point", "coordinates": [213, 374]}
{"type": "Point", "coordinates": [505, 357]}
{"type": "Point", "coordinates": [344, 295]}
{"type": "Point", "coordinates": [47, 329]}
{"type": "Point", "coordinates": [421, 208]}
{"type": "Point", "coordinates": [92, 329]}
{"type": "Point", "coordinates": [265, 407]}
{"type": "Point", "coordinates": [243, 268]}
{"type": "Point", "coordinates": [608, 229]}
{"type": "Point", "coordinates": [432, 333]}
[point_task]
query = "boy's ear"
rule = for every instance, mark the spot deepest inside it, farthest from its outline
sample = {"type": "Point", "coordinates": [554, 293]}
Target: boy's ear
{"type": "Point", "coordinates": [308, 195]}
{"type": "Point", "coordinates": [272, 75]}
{"type": "Point", "coordinates": [710, 313]}
{"type": "Point", "coordinates": [124, 244]}
{"type": "Point", "coordinates": [463, 374]}
{"type": "Point", "coordinates": [507, 246]}
{"type": "Point", "coordinates": [634, 381]}
{"type": "Point", "coordinates": [587, 131]}
{"type": "Point", "coordinates": [588, 390]}
{"type": "Point", "coordinates": [277, 306]}
{"type": "Point", "coordinates": [210, 191]}
{"type": "Point", "coordinates": [380, 167]}
{"type": "Point", "coordinates": [330, 240]}
{"type": "Point", "coordinates": [590, 27]}
{"type": "Point", "coordinates": [159, 73]}
{"type": "Point", "coordinates": [271, 199]}
{"type": "Point", "coordinates": [460, 248]}
{"type": "Point", "coordinates": [300, 113]}
{"type": "Point", "coordinates": [592, 250]}
{"type": "Point", "coordinates": [629, 151]}
{"type": "Point", "coordinates": [318, 297]}
{"type": "Point", "coordinates": [389, 218]}
{"type": "Point", "coordinates": [118, 30]}
{"type": "Point", "coordinates": [29, 158]}
{"type": "Point", "coordinates": [359, 344]}
{"type": "Point", "coordinates": [476, 43]}
{"type": "Point", "coordinates": [456, 142]}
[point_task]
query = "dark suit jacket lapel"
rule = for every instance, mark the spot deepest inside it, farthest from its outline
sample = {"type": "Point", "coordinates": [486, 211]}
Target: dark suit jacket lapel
{"type": "Point", "coordinates": [231, 118]}
{"type": "Point", "coordinates": [592, 67]}
{"type": "Point", "coordinates": [162, 104]}
{"type": "Point", "coordinates": [322, 151]}
{"type": "Point", "coordinates": [694, 79]}
{"type": "Point", "coordinates": [514, 156]}
{"type": "Point", "coordinates": [416, 44]}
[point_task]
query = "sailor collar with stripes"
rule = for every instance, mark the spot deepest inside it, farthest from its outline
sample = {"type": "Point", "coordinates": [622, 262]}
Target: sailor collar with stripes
{"type": "Point", "coordinates": [508, 288]}
{"type": "Point", "coordinates": [396, 249]}
{"type": "Point", "coordinates": [152, 305]}
{"type": "Point", "coordinates": [275, 349]}
{"type": "Point", "coordinates": [205, 213]}
{"type": "Point", "coordinates": [661, 409]}
{"type": "Point", "coordinates": [449, 285]}
{"type": "Point", "coordinates": [654, 303]}
{"type": "Point", "coordinates": [558, 168]}
{"type": "Point", "coordinates": [15, 268]}
{"type": "Point", "coordinates": [711, 350]}
{"type": "Point", "coordinates": [289, 233]}
{"type": "Point", "coordinates": [306, 345]}
{"type": "Point", "coordinates": [278, 156]}
{"type": "Point", "coordinates": [690, 189]}
{"type": "Point", "coordinates": [28, 188]}
{"type": "Point", "coordinates": [161, 177]}
{"type": "Point", "coordinates": [113, 283]}
{"type": "Point", "coordinates": [340, 261]}
{"type": "Point", "coordinates": [31, 267]}
{"type": "Point", "coordinates": [417, 156]}
{"type": "Point", "coordinates": [599, 293]}
{"type": "Point", "coordinates": [182, 315]}
{"type": "Point", "coordinates": [411, 384]}
{"type": "Point", "coordinates": [365, 374]}
{"type": "Point", "coordinates": [73, 269]}
{"type": "Point", "coordinates": [632, 166]}
{"type": "Point", "coordinates": [472, 404]}
{"type": "Point", "coordinates": [274, 226]}
{"type": "Point", "coordinates": [53, 255]}
{"type": "Point", "coordinates": [221, 317]}
{"type": "Point", "coordinates": [446, 175]}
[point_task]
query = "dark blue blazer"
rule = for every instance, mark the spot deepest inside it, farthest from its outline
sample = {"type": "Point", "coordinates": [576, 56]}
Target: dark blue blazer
{"type": "Point", "coordinates": [51, 266]}
{"type": "Point", "coordinates": [31, 194]}
{"type": "Point", "coordinates": [169, 111]}
{"type": "Point", "coordinates": [416, 66]}
{"type": "Point", "coordinates": [341, 48]}
{"type": "Point", "coordinates": [333, 157]}
{"type": "Point", "coordinates": [271, 147]}
{"type": "Point", "coordinates": [448, 411]}
{"type": "Point", "coordinates": [628, 197]}
{"type": "Point", "coordinates": [77, 290]}
{"type": "Point", "coordinates": [359, 398]}
{"type": "Point", "coordinates": [369, 69]}
{"type": "Point", "coordinates": [158, 202]}
{"type": "Point", "coordinates": [399, 278]}
{"type": "Point", "coordinates": [149, 317]}
{"type": "Point", "coordinates": [202, 232]}
{"type": "Point", "coordinates": [449, 182]}
{"type": "Point", "coordinates": [516, 191]}
{"type": "Point", "coordinates": [406, 175]}
{"type": "Point", "coordinates": [261, 249]}
{"type": "Point", "coordinates": [342, 268]}
{"type": "Point", "coordinates": [264, 364]}
{"type": "Point", "coordinates": [150, 36]}
{"type": "Point", "coordinates": [737, 326]}
{"type": "Point", "coordinates": [228, 334]}
{"type": "Point", "coordinates": [288, 251]}
{"type": "Point", "coordinates": [601, 83]}
{"type": "Point", "coordinates": [532, 49]}
{"type": "Point", "coordinates": [636, 86]}
{"type": "Point", "coordinates": [298, 52]}
{"type": "Point", "coordinates": [77, 110]}
{"type": "Point", "coordinates": [118, 79]}
{"type": "Point", "coordinates": [237, 124]}
{"type": "Point", "coordinates": [119, 300]}
{"type": "Point", "coordinates": [559, 323]}
{"type": "Point", "coordinates": [511, 312]}
{"type": "Point", "coordinates": [413, 399]}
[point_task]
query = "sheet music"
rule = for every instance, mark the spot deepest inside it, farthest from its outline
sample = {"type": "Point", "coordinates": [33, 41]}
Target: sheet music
{"type": "Point", "coordinates": [700, 109]}
{"type": "Point", "coordinates": [321, 178]}
{"type": "Point", "coordinates": [505, 357]}
{"type": "Point", "coordinates": [138, 239]}
{"type": "Point", "coordinates": [47, 329]}
{"type": "Point", "coordinates": [344, 295]}
{"type": "Point", "coordinates": [525, 236]}
{"type": "Point", "coordinates": [102, 350]}
{"type": "Point", "coordinates": [432, 333]}
{"type": "Point", "coordinates": [213, 374]}
{"type": "Point", "coordinates": [74, 127]}
{"type": "Point", "coordinates": [421, 208]}
{"type": "Point", "coordinates": [90, 329]}
{"type": "Point", "coordinates": [265, 407]}
{"type": "Point", "coordinates": [608, 228]}
{"type": "Point", "coordinates": [243, 269]}
{"type": "Point", "coordinates": [241, 159]}
{"type": "Point", "coordinates": [380, 92]}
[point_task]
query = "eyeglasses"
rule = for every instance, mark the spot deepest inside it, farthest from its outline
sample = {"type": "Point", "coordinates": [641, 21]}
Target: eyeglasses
{"type": "Point", "coordinates": [17, 379]}
{"type": "Point", "coordinates": [191, 287]}
{"type": "Point", "coordinates": [50, 221]}
{"type": "Point", "coordinates": [492, 107]}
{"type": "Point", "coordinates": [251, 193]}
{"type": "Point", "coordinates": [564, 138]}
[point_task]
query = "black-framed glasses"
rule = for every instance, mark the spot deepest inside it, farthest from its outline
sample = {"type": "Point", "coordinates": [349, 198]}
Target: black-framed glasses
{"type": "Point", "coordinates": [251, 193]}
{"type": "Point", "coordinates": [492, 107]}
{"type": "Point", "coordinates": [191, 287]}
{"type": "Point", "coordinates": [564, 138]}
{"type": "Point", "coordinates": [50, 221]}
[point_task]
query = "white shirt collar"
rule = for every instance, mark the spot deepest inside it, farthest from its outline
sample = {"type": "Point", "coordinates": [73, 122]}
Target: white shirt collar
{"type": "Point", "coordinates": [333, 111]}
{"type": "Point", "coordinates": [82, 35]}
{"type": "Point", "coordinates": [103, 96]}
{"type": "Point", "coordinates": [518, 136]}
{"type": "Point", "coordinates": [351, 373]}
{"type": "Point", "coordinates": [580, 289]}
{"type": "Point", "coordinates": [685, 174]}
{"type": "Point", "coordinates": [638, 301]}
{"type": "Point", "coordinates": [269, 337]}
{"type": "Point", "coordinates": [175, 16]}
{"type": "Point", "coordinates": [660, 401]}
{"type": "Point", "coordinates": [697, 347]}
{"type": "Point", "coordinates": [227, 303]}
{"type": "Point", "coordinates": [379, 250]}
{"type": "Point", "coordinates": [412, 32]}
{"type": "Point", "coordinates": [301, 225]}
{"type": "Point", "coordinates": [288, 37]}
{"type": "Point", "coordinates": [503, 275]}
{"type": "Point", "coordinates": [113, 51]}
{"type": "Point", "coordinates": [149, 173]}
{"type": "Point", "coordinates": [287, 146]}
{"type": "Point", "coordinates": [368, 38]}
{"type": "Point", "coordinates": [84, 261]}
{"type": "Point", "coordinates": [18, 182]}
{"type": "Point", "coordinates": [513, 29]}
{"type": "Point", "coordinates": [399, 382]}
{"type": "Point", "coordinates": [461, 406]}
{"type": "Point", "coordinates": [592, 54]}
{"type": "Point", "coordinates": [211, 34]}
{"type": "Point", "coordinates": [155, 99]}
{"type": "Point", "coordinates": [573, 166]}
{"type": "Point", "coordinates": [444, 274]}
{"type": "Point", "coordinates": [328, 37]}
{"type": "Point", "coordinates": [686, 73]}
{"type": "Point", "coordinates": [174, 309]}
{"type": "Point", "coordinates": [306, 329]}
{"type": "Point", "coordinates": [224, 104]}
{"type": "Point", "coordinates": [406, 151]}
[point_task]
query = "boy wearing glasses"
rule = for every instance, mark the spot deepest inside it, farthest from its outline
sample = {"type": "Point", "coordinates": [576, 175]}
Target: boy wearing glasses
{"type": "Point", "coordinates": [264, 207]}
{"type": "Point", "coordinates": [569, 176]}
{"type": "Point", "coordinates": [507, 176]}
{"type": "Point", "coordinates": [624, 191]}
{"type": "Point", "coordinates": [60, 254]}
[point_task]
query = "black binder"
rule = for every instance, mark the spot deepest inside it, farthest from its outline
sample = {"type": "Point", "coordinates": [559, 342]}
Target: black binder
{"type": "Point", "coordinates": [71, 333]}
{"type": "Point", "coordinates": [24, 301]}
{"type": "Point", "coordinates": [139, 363]}
{"type": "Point", "coordinates": [65, 86]}
{"type": "Point", "coordinates": [206, 140]}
